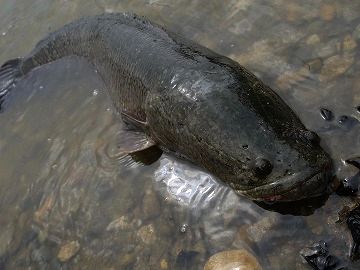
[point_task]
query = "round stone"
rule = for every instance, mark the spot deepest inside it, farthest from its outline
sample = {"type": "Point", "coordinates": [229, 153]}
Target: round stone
{"type": "Point", "coordinates": [232, 260]}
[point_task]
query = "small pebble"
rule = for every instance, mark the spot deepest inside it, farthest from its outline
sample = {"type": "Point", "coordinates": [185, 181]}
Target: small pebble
{"type": "Point", "coordinates": [353, 222]}
{"type": "Point", "coordinates": [315, 65]}
{"type": "Point", "coordinates": [335, 66]}
{"type": "Point", "coordinates": [354, 161]}
{"type": "Point", "coordinates": [318, 257]}
{"type": "Point", "coordinates": [349, 43]}
{"type": "Point", "coordinates": [327, 12]}
{"type": "Point", "coordinates": [147, 234]}
{"type": "Point", "coordinates": [164, 264]}
{"type": "Point", "coordinates": [326, 114]}
{"type": "Point", "coordinates": [184, 228]}
{"type": "Point", "coordinates": [68, 251]}
{"type": "Point", "coordinates": [356, 33]}
{"type": "Point", "coordinates": [349, 186]}
{"type": "Point", "coordinates": [347, 122]}
{"type": "Point", "coordinates": [232, 259]}
{"type": "Point", "coordinates": [312, 40]}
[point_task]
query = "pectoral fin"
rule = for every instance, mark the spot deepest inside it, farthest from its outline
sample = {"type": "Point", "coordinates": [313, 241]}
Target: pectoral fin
{"type": "Point", "coordinates": [133, 121]}
{"type": "Point", "coordinates": [130, 142]}
{"type": "Point", "coordinates": [133, 147]}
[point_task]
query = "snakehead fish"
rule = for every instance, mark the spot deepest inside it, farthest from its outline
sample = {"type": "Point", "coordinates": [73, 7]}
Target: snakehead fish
{"type": "Point", "coordinates": [193, 102]}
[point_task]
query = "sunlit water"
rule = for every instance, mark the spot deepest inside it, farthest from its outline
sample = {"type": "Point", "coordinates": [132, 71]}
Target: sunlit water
{"type": "Point", "coordinates": [60, 185]}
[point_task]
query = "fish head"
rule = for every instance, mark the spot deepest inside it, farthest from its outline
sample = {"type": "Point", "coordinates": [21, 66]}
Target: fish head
{"type": "Point", "coordinates": [284, 168]}
{"type": "Point", "coordinates": [251, 139]}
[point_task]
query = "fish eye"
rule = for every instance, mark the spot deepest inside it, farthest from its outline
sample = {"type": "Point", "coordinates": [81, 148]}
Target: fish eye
{"type": "Point", "coordinates": [312, 137]}
{"type": "Point", "coordinates": [263, 167]}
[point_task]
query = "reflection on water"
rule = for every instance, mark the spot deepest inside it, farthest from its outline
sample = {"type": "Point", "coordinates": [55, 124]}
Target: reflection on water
{"type": "Point", "coordinates": [66, 203]}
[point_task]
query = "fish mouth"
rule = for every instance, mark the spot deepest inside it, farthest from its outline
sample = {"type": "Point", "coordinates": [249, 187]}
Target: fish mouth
{"type": "Point", "coordinates": [290, 188]}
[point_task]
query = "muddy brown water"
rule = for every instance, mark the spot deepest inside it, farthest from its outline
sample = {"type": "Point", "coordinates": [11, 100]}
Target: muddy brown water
{"type": "Point", "coordinates": [67, 203]}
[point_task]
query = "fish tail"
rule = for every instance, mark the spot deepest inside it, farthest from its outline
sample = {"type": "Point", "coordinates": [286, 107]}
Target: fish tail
{"type": "Point", "coordinates": [10, 73]}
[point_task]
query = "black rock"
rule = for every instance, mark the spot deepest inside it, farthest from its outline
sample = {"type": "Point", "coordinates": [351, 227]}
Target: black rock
{"type": "Point", "coordinates": [326, 114]}
{"type": "Point", "coordinates": [185, 259]}
{"type": "Point", "coordinates": [349, 186]}
{"type": "Point", "coordinates": [347, 122]}
{"type": "Point", "coordinates": [353, 222]}
{"type": "Point", "coordinates": [354, 161]}
{"type": "Point", "coordinates": [318, 257]}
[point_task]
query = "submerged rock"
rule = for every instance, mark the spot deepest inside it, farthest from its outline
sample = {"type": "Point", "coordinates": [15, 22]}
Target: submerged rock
{"type": "Point", "coordinates": [151, 205]}
{"type": "Point", "coordinates": [147, 234]}
{"type": "Point", "coordinates": [335, 66]}
{"type": "Point", "coordinates": [327, 12]}
{"type": "Point", "coordinates": [353, 222]}
{"type": "Point", "coordinates": [326, 114]}
{"type": "Point", "coordinates": [349, 43]}
{"type": "Point", "coordinates": [356, 33]}
{"type": "Point", "coordinates": [68, 251]}
{"type": "Point", "coordinates": [232, 259]}
{"type": "Point", "coordinates": [164, 264]}
{"type": "Point", "coordinates": [313, 39]}
{"type": "Point", "coordinates": [319, 258]}
{"type": "Point", "coordinates": [122, 223]}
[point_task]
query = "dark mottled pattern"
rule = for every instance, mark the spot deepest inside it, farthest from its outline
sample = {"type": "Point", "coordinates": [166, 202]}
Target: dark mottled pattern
{"type": "Point", "coordinates": [203, 106]}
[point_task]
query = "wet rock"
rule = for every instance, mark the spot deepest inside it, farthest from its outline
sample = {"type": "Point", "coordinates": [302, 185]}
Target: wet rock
{"type": "Point", "coordinates": [185, 259]}
{"type": "Point", "coordinates": [315, 65]}
{"type": "Point", "coordinates": [335, 66]}
{"type": "Point", "coordinates": [354, 162]}
{"type": "Point", "coordinates": [164, 265]}
{"type": "Point", "coordinates": [151, 205]}
{"type": "Point", "coordinates": [347, 122]}
{"type": "Point", "coordinates": [292, 77]}
{"type": "Point", "coordinates": [297, 11]}
{"type": "Point", "coordinates": [147, 234]}
{"type": "Point", "coordinates": [68, 251]}
{"type": "Point", "coordinates": [261, 228]}
{"type": "Point", "coordinates": [6, 236]}
{"type": "Point", "coordinates": [314, 225]}
{"type": "Point", "coordinates": [233, 259]}
{"type": "Point", "coordinates": [262, 54]}
{"type": "Point", "coordinates": [41, 256]}
{"type": "Point", "coordinates": [217, 235]}
{"type": "Point", "coordinates": [327, 49]}
{"type": "Point", "coordinates": [45, 209]}
{"type": "Point", "coordinates": [127, 259]}
{"type": "Point", "coordinates": [356, 33]}
{"type": "Point", "coordinates": [347, 188]}
{"type": "Point", "coordinates": [349, 43]}
{"type": "Point", "coordinates": [241, 239]}
{"type": "Point", "coordinates": [292, 11]}
{"type": "Point", "coordinates": [200, 247]}
{"type": "Point", "coordinates": [313, 40]}
{"type": "Point", "coordinates": [353, 222]}
{"type": "Point", "coordinates": [326, 114]}
{"type": "Point", "coordinates": [122, 223]}
{"type": "Point", "coordinates": [318, 257]}
{"type": "Point", "coordinates": [350, 11]}
{"type": "Point", "coordinates": [327, 12]}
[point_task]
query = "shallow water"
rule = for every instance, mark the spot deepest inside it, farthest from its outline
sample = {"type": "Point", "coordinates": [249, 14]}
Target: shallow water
{"type": "Point", "coordinates": [60, 185]}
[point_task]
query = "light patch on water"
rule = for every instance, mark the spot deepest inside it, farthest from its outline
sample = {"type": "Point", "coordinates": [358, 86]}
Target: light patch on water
{"type": "Point", "coordinates": [188, 185]}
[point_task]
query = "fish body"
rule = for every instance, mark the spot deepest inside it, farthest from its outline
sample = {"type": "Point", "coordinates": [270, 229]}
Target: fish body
{"type": "Point", "coordinates": [193, 102]}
